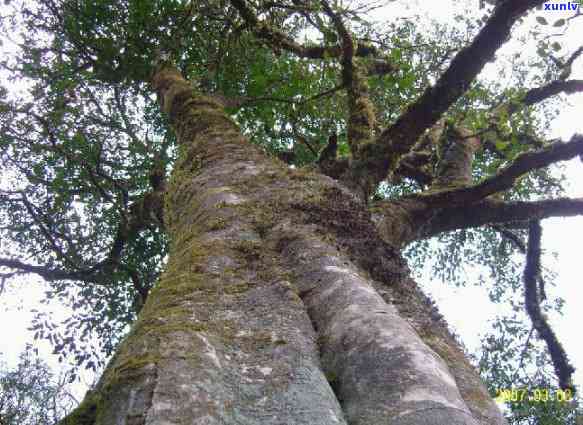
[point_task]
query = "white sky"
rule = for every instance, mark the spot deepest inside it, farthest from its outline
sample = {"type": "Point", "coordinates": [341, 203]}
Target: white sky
{"type": "Point", "coordinates": [469, 318]}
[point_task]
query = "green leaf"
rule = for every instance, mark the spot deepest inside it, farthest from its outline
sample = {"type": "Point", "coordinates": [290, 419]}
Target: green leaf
{"type": "Point", "coordinates": [556, 46]}
{"type": "Point", "coordinates": [406, 82]}
{"type": "Point", "coordinates": [331, 37]}
{"type": "Point", "coordinates": [541, 20]}
{"type": "Point", "coordinates": [559, 23]}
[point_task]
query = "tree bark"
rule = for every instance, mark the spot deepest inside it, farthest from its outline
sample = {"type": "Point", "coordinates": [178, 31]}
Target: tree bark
{"type": "Point", "coordinates": [280, 302]}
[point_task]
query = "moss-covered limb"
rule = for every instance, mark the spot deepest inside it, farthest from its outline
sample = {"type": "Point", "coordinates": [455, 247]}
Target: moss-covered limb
{"type": "Point", "coordinates": [334, 228]}
{"type": "Point", "coordinates": [347, 234]}
{"type": "Point", "coordinates": [190, 113]}
{"type": "Point", "coordinates": [505, 178]}
{"type": "Point", "coordinates": [404, 221]}
{"type": "Point", "coordinates": [399, 138]}
{"type": "Point", "coordinates": [422, 314]}
{"type": "Point", "coordinates": [454, 207]}
{"type": "Point", "coordinates": [362, 117]}
{"type": "Point", "coordinates": [454, 204]}
{"type": "Point", "coordinates": [456, 150]}
{"type": "Point", "coordinates": [399, 222]}
{"type": "Point", "coordinates": [361, 114]}
{"type": "Point", "coordinates": [336, 242]}
{"type": "Point", "coordinates": [418, 165]}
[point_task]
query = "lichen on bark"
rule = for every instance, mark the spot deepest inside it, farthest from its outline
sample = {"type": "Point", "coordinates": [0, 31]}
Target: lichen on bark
{"type": "Point", "coordinates": [271, 274]}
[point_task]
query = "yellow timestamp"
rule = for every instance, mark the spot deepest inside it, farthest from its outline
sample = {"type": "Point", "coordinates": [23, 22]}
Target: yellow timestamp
{"type": "Point", "coordinates": [542, 395]}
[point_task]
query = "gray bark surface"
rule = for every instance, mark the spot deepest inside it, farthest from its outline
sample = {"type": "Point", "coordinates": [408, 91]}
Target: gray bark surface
{"type": "Point", "coordinates": [270, 308]}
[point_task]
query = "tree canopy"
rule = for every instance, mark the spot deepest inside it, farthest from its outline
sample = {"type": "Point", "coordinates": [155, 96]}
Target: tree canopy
{"type": "Point", "coordinates": [401, 113]}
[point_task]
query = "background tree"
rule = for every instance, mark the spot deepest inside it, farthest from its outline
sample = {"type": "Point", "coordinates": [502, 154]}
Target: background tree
{"type": "Point", "coordinates": [265, 302]}
{"type": "Point", "coordinates": [31, 394]}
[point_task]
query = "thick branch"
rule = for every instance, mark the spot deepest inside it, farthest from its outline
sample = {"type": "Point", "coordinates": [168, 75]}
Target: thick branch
{"type": "Point", "coordinates": [415, 167]}
{"type": "Point", "coordinates": [492, 212]}
{"type": "Point", "coordinates": [456, 152]}
{"type": "Point", "coordinates": [47, 273]}
{"type": "Point", "coordinates": [531, 97]}
{"type": "Point", "coordinates": [417, 220]}
{"type": "Point", "coordinates": [399, 138]}
{"type": "Point", "coordinates": [554, 88]}
{"type": "Point", "coordinates": [418, 164]}
{"type": "Point", "coordinates": [361, 114]}
{"type": "Point", "coordinates": [505, 178]}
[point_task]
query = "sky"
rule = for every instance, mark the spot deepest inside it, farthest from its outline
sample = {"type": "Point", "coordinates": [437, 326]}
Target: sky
{"type": "Point", "coordinates": [468, 319]}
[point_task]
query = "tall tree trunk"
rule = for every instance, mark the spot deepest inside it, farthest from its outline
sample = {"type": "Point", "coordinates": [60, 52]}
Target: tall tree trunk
{"type": "Point", "coordinates": [280, 303]}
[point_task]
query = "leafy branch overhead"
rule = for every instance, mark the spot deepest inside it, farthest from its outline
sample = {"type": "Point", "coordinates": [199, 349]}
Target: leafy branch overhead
{"type": "Point", "coordinates": [400, 117]}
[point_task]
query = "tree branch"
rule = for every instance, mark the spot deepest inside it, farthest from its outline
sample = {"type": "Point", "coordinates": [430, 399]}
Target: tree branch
{"type": "Point", "coordinates": [399, 138]}
{"type": "Point", "coordinates": [47, 273]}
{"type": "Point", "coordinates": [563, 369]}
{"type": "Point", "coordinates": [421, 221]}
{"type": "Point", "coordinates": [511, 236]}
{"type": "Point", "coordinates": [456, 150]}
{"type": "Point", "coordinates": [414, 166]}
{"type": "Point", "coordinates": [505, 178]}
{"type": "Point", "coordinates": [554, 88]}
{"type": "Point", "coordinates": [576, 54]}
{"type": "Point", "coordinates": [143, 213]}
{"type": "Point", "coordinates": [279, 40]}
{"type": "Point", "coordinates": [361, 114]}
{"type": "Point", "coordinates": [562, 85]}
{"type": "Point", "coordinates": [493, 212]}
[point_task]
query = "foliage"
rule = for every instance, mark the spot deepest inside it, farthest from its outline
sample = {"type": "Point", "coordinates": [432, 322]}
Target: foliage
{"type": "Point", "coordinates": [30, 394]}
{"type": "Point", "coordinates": [81, 138]}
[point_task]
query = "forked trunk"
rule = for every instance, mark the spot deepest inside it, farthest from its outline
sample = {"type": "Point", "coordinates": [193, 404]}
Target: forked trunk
{"type": "Point", "coordinates": [280, 304]}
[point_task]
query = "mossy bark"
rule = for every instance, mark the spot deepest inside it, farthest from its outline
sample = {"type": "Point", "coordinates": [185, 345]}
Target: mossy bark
{"type": "Point", "coordinates": [267, 312]}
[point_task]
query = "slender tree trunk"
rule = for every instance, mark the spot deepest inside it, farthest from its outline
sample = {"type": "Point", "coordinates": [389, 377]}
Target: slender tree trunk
{"type": "Point", "coordinates": [280, 303]}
